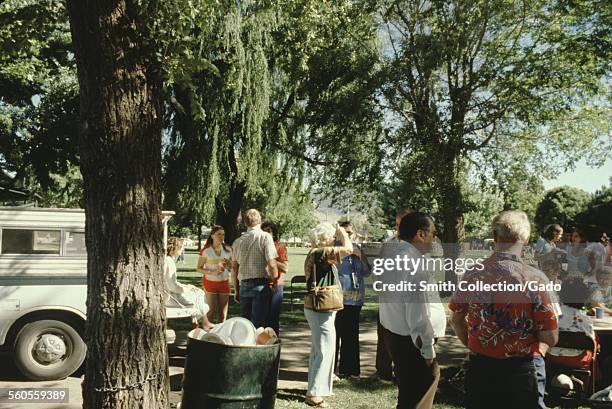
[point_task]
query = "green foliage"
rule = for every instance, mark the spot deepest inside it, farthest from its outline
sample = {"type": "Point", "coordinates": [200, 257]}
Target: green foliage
{"type": "Point", "coordinates": [284, 85]}
{"type": "Point", "coordinates": [39, 102]}
{"type": "Point", "coordinates": [219, 109]}
{"type": "Point", "coordinates": [598, 212]}
{"type": "Point", "coordinates": [325, 112]}
{"type": "Point", "coordinates": [505, 85]}
{"type": "Point", "coordinates": [291, 210]}
{"type": "Point", "coordinates": [481, 207]}
{"type": "Point", "coordinates": [66, 190]}
{"type": "Point", "coordinates": [561, 205]}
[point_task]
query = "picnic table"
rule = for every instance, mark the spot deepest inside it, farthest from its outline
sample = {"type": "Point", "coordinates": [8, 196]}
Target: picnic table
{"type": "Point", "coordinates": [602, 325]}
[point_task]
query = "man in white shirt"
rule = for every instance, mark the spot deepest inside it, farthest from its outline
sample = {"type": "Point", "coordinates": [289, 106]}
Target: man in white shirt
{"type": "Point", "coordinates": [412, 320]}
{"type": "Point", "coordinates": [384, 366]}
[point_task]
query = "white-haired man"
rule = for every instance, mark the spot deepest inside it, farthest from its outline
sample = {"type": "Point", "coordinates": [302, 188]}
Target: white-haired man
{"type": "Point", "coordinates": [505, 322]}
{"type": "Point", "coordinates": [254, 265]}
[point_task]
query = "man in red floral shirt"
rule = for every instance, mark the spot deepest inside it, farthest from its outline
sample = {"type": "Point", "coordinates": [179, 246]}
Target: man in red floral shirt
{"type": "Point", "coordinates": [506, 325]}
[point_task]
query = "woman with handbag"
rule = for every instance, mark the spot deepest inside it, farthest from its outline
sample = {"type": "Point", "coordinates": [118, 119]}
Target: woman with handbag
{"type": "Point", "coordinates": [323, 299]}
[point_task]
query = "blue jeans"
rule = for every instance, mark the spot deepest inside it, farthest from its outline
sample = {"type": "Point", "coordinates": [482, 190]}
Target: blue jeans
{"type": "Point", "coordinates": [255, 298]}
{"type": "Point", "coordinates": [275, 309]}
{"type": "Point", "coordinates": [540, 367]}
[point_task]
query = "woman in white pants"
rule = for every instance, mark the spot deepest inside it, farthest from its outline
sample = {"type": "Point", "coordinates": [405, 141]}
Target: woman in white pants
{"type": "Point", "coordinates": [319, 267]}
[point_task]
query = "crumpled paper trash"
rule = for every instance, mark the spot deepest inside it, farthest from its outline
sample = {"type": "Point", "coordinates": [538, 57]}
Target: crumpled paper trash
{"type": "Point", "coordinates": [236, 331]}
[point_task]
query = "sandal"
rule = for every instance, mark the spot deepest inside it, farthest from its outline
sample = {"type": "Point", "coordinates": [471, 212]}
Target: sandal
{"type": "Point", "coordinates": [318, 404]}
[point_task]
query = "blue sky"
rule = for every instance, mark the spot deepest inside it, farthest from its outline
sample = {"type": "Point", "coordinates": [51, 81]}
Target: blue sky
{"type": "Point", "coordinates": [583, 177]}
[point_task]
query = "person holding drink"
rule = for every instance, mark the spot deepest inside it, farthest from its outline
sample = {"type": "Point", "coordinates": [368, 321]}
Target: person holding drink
{"type": "Point", "coordinates": [214, 263]}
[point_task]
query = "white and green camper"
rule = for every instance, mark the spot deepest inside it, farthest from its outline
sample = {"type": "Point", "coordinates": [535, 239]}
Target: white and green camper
{"type": "Point", "coordinates": [43, 289]}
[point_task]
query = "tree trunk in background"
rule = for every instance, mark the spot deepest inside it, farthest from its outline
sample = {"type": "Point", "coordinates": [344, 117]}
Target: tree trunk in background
{"type": "Point", "coordinates": [121, 113]}
{"type": "Point", "coordinates": [452, 208]}
{"type": "Point", "coordinates": [200, 238]}
{"type": "Point", "coordinates": [228, 212]}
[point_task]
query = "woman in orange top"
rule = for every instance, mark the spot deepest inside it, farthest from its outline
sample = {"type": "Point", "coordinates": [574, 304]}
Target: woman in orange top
{"type": "Point", "coordinates": [214, 264]}
{"type": "Point", "coordinates": [282, 262]}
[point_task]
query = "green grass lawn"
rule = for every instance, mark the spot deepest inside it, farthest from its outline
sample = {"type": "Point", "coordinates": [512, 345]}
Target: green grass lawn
{"type": "Point", "coordinates": [364, 394]}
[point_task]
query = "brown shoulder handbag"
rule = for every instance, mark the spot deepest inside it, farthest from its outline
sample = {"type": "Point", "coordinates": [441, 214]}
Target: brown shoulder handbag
{"type": "Point", "coordinates": [326, 298]}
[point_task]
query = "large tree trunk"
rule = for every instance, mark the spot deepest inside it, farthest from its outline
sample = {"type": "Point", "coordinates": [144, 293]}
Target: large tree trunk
{"type": "Point", "coordinates": [127, 361]}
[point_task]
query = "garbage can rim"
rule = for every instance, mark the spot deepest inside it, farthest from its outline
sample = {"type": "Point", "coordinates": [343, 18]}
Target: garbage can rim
{"type": "Point", "coordinates": [278, 342]}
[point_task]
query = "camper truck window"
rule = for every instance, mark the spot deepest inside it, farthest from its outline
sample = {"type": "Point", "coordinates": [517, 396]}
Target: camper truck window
{"type": "Point", "coordinates": [25, 241]}
{"type": "Point", "coordinates": [74, 245]}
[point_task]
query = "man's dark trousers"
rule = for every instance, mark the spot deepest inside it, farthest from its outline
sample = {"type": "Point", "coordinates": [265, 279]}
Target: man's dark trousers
{"type": "Point", "coordinates": [347, 340]}
{"type": "Point", "coordinates": [501, 383]}
{"type": "Point", "coordinates": [383, 358]}
{"type": "Point", "coordinates": [417, 381]}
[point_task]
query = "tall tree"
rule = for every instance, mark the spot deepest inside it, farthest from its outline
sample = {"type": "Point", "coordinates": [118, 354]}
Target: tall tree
{"type": "Point", "coordinates": [292, 86]}
{"type": "Point", "coordinates": [478, 81]}
{"type": "Point", "coordinates": [215, 151]}
{"type": "Point", "coordinates": [561, 205]}
{"type": "Point", "coordinates": [120, 145]}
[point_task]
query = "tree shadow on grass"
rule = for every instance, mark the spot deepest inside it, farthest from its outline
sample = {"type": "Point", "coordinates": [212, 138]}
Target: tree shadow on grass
{"type": "Point", "coordinates": [296, 395]}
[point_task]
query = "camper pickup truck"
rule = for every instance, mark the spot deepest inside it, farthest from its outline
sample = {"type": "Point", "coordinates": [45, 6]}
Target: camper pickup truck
{"type": "Point", "coordinates": [43, 289]}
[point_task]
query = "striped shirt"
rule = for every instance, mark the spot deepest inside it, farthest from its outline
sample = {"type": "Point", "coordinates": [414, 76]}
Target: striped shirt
{"type": "Point", "coordinates": [211, 263]}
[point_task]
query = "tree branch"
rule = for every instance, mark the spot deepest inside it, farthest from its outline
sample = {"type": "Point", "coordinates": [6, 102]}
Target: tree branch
{"type": "Point", "coordinates": [299, 155]}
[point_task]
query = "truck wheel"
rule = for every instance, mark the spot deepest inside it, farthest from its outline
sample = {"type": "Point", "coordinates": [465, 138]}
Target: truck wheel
{"type": "Point", "coordinates": [48, 350]}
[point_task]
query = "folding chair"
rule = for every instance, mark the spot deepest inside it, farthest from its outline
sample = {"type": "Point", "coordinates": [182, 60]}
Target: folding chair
{"type": "Point", "coordinates": [584, 371]}
{"type": "Point", "coordinates": [296, 280]}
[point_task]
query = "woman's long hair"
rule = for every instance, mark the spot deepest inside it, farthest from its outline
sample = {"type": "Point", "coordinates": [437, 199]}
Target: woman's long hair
{"type": "Point", "coordinates": [582, 235]}
{"type": "Point", "coordinates": [209, 240]}
{"type": "Point", "coordinates": [273, 227]}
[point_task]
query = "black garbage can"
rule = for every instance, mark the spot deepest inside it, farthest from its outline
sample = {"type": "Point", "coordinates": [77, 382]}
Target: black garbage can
{"type": "Point", "coordinates": [230, 377]}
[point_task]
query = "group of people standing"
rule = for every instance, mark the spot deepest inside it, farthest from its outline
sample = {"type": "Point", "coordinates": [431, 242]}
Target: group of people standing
{"type": "Point", "coordinates": [256, 260]}
{"type": "Point", "coordinates": [507, 334]}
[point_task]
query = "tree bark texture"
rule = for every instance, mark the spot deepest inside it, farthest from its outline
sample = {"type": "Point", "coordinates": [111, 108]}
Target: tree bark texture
{"type": "Point", "coordinates": [120, 146]}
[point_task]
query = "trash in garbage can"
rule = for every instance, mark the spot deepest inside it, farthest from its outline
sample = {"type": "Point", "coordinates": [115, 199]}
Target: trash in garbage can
{"type": "Point", "coordinates": [221, 376]}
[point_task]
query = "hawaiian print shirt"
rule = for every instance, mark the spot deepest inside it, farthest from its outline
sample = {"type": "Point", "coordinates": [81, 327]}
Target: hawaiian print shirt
{"type": "Point", "coordinates": [503, 324]}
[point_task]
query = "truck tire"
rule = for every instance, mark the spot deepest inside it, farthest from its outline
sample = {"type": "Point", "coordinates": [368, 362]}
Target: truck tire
{"type": "Point", "coordinates": [49, 350]}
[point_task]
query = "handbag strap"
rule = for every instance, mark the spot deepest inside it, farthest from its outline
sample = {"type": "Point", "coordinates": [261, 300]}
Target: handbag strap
{"type": "Point", "coordinates": [332, 278]}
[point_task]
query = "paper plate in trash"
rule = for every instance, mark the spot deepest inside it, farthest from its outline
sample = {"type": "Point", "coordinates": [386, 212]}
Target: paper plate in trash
{"type": "Point", "coordinates": [239, 330]}
{"type": "Point", "coordinates": [216, 338]}
{"type": "Point", "coordinates": [196, 333]}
